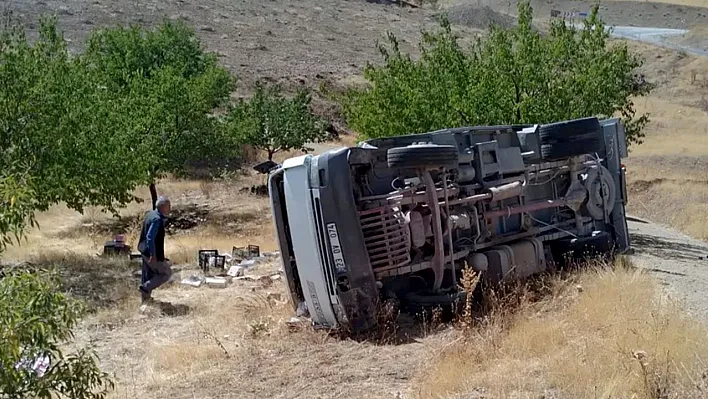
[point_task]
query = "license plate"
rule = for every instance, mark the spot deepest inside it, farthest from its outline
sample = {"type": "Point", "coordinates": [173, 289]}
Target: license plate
{"type": "Point", "coordinates": [336, 247]}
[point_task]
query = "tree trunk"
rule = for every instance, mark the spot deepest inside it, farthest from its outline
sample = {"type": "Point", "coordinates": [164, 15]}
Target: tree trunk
{"type": "Point", "coordinates": [518, 101]}
{"type": "Point", "coordinates": [153, 195]}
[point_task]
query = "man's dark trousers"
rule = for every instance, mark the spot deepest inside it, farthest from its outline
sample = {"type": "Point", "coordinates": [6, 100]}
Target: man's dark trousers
{"type": "Point", "coordinates": [154, 275]}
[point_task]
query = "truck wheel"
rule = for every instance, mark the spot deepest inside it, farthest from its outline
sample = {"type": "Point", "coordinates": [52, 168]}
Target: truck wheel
{"type": "Point", "coordinates": [423, 156]}
{"type": "Point", "coordinates": [570, 138]}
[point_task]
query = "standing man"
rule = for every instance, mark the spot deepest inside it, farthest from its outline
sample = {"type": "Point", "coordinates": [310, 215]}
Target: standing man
{"type": "Point", "coordinates": [156, 269]}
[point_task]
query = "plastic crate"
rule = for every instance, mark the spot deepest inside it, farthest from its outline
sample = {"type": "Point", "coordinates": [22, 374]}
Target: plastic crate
{"type": "Point", "coordinates": [205, 255]}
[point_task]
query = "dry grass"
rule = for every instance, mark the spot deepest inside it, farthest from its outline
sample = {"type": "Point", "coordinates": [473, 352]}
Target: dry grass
{"type": "Point", "coordinates": [616, 337]}
{"type": "Point", "coordinates": [234, 343]}
{"type": "Point", "coordinates": [680, 203]}
{"type": "Point", "coordinates": [231, 215]}
{"type": "Point", "coordinates": [668, 174]}
{"type": "Point", "coordinates": [595, 334]}
{"type": "Point", "coordinates": [602, 334]}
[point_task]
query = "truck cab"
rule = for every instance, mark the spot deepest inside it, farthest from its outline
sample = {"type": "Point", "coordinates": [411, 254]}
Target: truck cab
{"type": "Point", "coordinates": [398, 219]}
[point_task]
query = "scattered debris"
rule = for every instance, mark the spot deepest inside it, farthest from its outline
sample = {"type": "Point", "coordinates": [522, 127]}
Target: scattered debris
{"type": "Point", "coordinates": [247, 257]}
{"type": "Point", "coordinates": [194, 281]}
{"type": "Point", "coordinates": [211, 258]}
{"type": "Point", "coordinates": [297, 323]}
{"type": "Point", "coordinates": [39, 365]}
{"type": "Point", "coordinates": [248, 263]}
{"type": "Point", "coordinates": [218, 282]}
{"type": "Point", "coordinates": [302, 310]}
{"type": "Point", "coordinates": [116, 246]}
{"type": "Point", "coordinates": [248, 252]}
{"type": "Point", "coordinates": [235, 271]}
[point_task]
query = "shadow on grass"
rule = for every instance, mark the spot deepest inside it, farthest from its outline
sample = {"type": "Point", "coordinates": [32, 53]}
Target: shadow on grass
{"type": "Point", "coordinates": [173, 309]}
{"type": "Point", "coordinates": [100, 282]}
{"type": "Point", "coordinates": [182, 218]}
{"type": "Point", "coordinates": [234, 223]}
{"type": "Point", "coordinates": [102, 227]}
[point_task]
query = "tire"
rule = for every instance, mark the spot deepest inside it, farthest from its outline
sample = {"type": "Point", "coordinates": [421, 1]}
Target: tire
{"type": "Point", "coordinates": [570, 138]}
{"type": "Point", "coordinates": [423, 156]}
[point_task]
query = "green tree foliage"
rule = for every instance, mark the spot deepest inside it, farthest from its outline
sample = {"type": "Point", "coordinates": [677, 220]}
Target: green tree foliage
{"type": "Point", "coordinates": [16, 207]}
{"type": "Point", "coordinates": [510, 76]}
{"type": "Point", "coordinates": [272, 122]}
{"type": "Point", "coordinates": [62, 138]}
{"type": "Point", "coordinates": [174, 86]}
{"type": "Point", "coordinates": [36, 320]}
{"type": "Point", "coordinates": [87, 130]}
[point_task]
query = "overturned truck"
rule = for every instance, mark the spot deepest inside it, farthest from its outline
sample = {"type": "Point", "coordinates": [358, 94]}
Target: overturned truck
{"type": "Point", "coordinates": [398, 218]}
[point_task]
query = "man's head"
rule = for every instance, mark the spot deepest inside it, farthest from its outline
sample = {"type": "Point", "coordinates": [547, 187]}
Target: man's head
{"type": "Point", "coordinates": [163, 205]}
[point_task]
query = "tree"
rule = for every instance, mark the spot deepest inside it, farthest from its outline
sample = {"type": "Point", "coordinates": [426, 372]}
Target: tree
{"type": "Point", "coordinates": [271, 122]}
{"type": "Point", "coordinates": [63, 137]}
{"type": "Point", "coordinates": [36, 320]}
{"type": "Point", "coordinates": [172, 86]}
{"type": "Point", "coordinates": [510, 76]}
{"type": "Point", "coordinates": [88, 130]}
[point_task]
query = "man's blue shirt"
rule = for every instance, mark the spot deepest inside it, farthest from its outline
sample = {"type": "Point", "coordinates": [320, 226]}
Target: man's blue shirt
{"type": "Point", "coordinates": [154, 227]}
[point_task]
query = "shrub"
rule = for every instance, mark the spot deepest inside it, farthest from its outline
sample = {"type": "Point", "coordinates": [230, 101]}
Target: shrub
{"type": "Point", "coordinates": [36, 322]}
{"type": "Point", "coordinates": [511, 76]}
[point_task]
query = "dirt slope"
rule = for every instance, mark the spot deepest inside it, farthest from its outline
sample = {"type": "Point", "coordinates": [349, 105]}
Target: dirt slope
{"type": "Point", "coordinates": [301, 41]}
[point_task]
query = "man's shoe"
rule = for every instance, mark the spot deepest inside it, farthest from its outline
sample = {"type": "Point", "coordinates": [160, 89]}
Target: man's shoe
{"type": "Point", "coordinates": [145, 296]}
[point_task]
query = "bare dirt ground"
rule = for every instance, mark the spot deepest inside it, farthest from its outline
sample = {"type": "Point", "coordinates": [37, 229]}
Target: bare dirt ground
{"type": "Point", "coordinates": [234, 342]}
{"type": "Point", "coordinates": [301, 42]}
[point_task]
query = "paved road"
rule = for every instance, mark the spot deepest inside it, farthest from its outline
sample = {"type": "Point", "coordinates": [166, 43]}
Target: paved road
{"type": "Point", "coordinates": [679, 262]}
{"type": "Point", "coordinates": [656, 36]}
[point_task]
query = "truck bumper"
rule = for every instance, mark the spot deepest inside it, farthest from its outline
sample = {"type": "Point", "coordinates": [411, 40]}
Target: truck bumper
{"type": "Point", "coordinates": [344, 248]}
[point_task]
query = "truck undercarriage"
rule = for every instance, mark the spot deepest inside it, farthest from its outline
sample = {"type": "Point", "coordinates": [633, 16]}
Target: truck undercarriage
{"type": "Point", "coordinates": [399, 218]}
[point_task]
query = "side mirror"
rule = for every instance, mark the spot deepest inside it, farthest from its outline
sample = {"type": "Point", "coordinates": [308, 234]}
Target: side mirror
{"type": "Point", "coordinates": [266, 167]}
